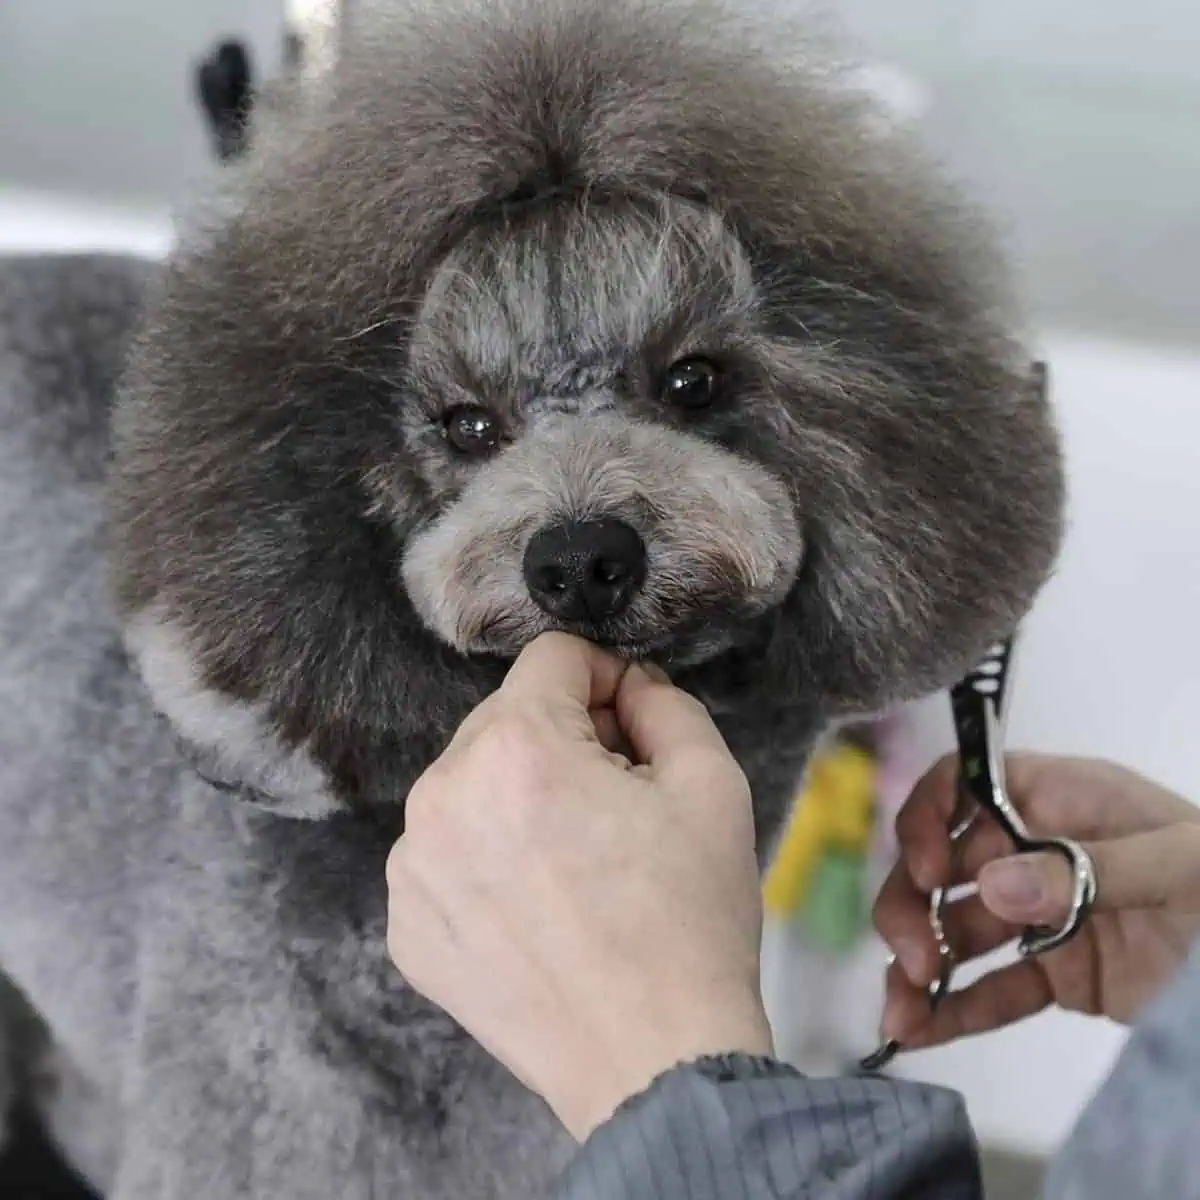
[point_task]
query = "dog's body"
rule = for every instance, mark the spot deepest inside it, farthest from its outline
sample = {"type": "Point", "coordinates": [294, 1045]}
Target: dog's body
{"type": "Point", "coordinates": [569, 282]}
{"type": "Point", "coordinates": [218, 973]}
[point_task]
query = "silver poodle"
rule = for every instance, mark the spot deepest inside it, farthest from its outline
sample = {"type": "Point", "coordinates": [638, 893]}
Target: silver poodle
{"type": "Point", "coordinates": [609, 316]}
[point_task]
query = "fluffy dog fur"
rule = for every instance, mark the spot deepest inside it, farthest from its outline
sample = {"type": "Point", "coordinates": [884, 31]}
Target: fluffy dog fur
{"type": "Point", "coordinates": [534, 209]}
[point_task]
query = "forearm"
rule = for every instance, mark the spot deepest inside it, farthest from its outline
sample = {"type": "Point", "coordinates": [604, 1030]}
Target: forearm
{"type": "Point", "coordinates": [746, 1129]}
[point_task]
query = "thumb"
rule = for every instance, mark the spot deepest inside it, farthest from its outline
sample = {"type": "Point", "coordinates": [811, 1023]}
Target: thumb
{"type": "Point", "coordinates": [1158, 869]}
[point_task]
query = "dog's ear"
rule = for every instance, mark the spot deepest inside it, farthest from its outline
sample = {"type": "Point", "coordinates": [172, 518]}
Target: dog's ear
{"type": "Point", "coordinates": [230, 743]}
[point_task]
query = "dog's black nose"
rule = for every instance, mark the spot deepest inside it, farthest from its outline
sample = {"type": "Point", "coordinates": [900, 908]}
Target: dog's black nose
{"type": "Point", "coordinates": [585, 570]}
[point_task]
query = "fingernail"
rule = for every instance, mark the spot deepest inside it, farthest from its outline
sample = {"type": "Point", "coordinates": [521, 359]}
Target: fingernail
{"type": "Point", "coordinates": [1016, 883]}
{"type": "Point", "coordinates": [655, 672]}
{"type": "Point", "coordinates": [923, 875]}
{"type": "Point", "coordinates": [912, 959]}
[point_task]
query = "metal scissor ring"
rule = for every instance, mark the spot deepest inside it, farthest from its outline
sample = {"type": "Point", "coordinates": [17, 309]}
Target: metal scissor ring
{"type": "Point", "coordinates": [1033, 941]}
{"type": "Point", "coordinates": [1041, 939]}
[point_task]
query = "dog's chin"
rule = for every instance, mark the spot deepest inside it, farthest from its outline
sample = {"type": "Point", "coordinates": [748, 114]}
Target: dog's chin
{"type": "Point", "coordinates": [687, 643]}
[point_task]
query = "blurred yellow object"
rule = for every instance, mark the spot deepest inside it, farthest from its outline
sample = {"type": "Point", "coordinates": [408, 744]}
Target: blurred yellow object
{"type": "Point", "coordinates": [835, 811]}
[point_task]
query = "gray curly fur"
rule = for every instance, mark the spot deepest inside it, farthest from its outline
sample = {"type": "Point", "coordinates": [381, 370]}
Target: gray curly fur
{"type": "Point", "coordinates": [537, 207]}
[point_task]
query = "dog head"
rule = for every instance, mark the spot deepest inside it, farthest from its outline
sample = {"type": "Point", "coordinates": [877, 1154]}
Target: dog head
{"type": "Point", "coordinates": [588, 384]}
{"type": "Point", "coordinates": [611, 317]}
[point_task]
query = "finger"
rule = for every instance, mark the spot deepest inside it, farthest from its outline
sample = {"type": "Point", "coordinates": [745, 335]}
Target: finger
{"type": "Point", "coordinates": [905, 1007]}
{"type": "Point", "coordinates": [608, 731]}
{"type": "Point", "coordinates": [983, 842]}
{"type": "Point", "coordinates": [901, 916]}
{"type": "Point", "coordinates": [972, 930]}
{"type": "Point", "coordinates": [1089, 799]}
{"type": "Point", "coordinates": [1051, 806]}
{"type": "Point", "coordinates": [413, 915]}
{"type": "Point", "coordinates": [477, 719]}
{"type": "Point", "coordinates": [923, 822]}
{"type": "Point", "coordinates": [562, 670]}
{"type": "Point", "coordinates": [1160, 869]}
{"type": "Point", "coordinates": [665, 726]}
{"type": "Point", "coordinates": [1054, 794]}
{"type": "Point", "coordinates": [555, 673]}
{"type": "Point", "coordinates": [1000, 998]}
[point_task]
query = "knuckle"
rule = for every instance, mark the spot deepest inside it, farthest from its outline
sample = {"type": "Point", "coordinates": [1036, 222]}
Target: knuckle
{"type": "Point", "coordinates": [502, 777]}
{"type": "Point", "coordinates": [426, 797]}
{"type": "Point", "coordinates": [397, 940]}
{"type": "Point", "coordinates": [713, 770]}
{"type": "Point", "coordinates": [892, 918]}
{"type": "Point", "coordinates": [1175, 864]}
{"type": "Point", "coordinates": [904, 822]}
{"type": "Point", "coordinates": [931, 797]}
{"type": "Point", "coordinates": [912, 827]}
{"type": "Point", "coordinates": [883, 909]}
{"type": "Point", "coordinates": [404, 959]}
{"type": "Point", "coordinates": [513, 743]}
{"type": "Point", "coordinates": [683, 699]}
{"type": "Point", "coordinates": [693, 705]}
{"type": "Point", "coordinates": [720, 763]}
{"type": "Point", "coordinates": [1103, 765]}
{"type": "Point", "coordinates": [396, 867]}
{"type": "Point", "coordinates": [515, 753]}
{"type": "Point", "coordinates": [1052, 800]}
{"type": "Point", "coordinates": [944, 773]}
{"type": "Point", "coordinates": [1188, 848]}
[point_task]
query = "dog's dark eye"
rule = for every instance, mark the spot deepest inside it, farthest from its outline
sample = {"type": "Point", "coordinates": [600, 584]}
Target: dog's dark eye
{"type": "Point", "coordinates": [692, 383]}
{"type": "Point", "coordinates": [471, 430]}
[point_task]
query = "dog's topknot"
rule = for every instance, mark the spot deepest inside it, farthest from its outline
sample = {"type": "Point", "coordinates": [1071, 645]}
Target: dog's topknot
{"type": "Point", "coordinates": [440, 115]}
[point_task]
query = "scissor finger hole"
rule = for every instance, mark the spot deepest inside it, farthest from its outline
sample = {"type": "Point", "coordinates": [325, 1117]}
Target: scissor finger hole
{"type": "Point", "coordinates": [1041, 940]}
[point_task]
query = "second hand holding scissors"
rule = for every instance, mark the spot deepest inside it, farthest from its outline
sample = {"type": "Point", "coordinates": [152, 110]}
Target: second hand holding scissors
{"type": "Point", "coordinates": [979, 704]}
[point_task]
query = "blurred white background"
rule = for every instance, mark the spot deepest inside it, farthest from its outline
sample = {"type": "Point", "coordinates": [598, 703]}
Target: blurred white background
{"type": "Point", "coordinates": [1079, 122]}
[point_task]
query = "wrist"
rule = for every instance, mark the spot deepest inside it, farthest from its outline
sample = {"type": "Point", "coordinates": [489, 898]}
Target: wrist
{"type": "Point", "coordinates": [649, 1049]}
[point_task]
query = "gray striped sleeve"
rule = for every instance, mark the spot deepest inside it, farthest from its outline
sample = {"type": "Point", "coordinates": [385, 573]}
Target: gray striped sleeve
{"type": "Point", "coordinates": [736, 1128]}
{"type": "Point", "coordinates": [1140, 1136]}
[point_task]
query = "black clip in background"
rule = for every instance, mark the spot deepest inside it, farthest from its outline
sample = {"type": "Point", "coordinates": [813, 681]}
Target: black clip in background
{"type": "Point", "coordinates": [225, 87]}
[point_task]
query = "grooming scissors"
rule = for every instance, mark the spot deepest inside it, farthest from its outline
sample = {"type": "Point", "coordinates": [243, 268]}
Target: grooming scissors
{"type": "Point", "coordinates": [979, 704]}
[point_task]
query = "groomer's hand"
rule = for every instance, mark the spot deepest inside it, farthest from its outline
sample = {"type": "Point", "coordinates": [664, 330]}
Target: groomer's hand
{"type": "Point", "coordinates": [1145, 842]}
{"type": "Point", "coordinates": [591, 916]}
